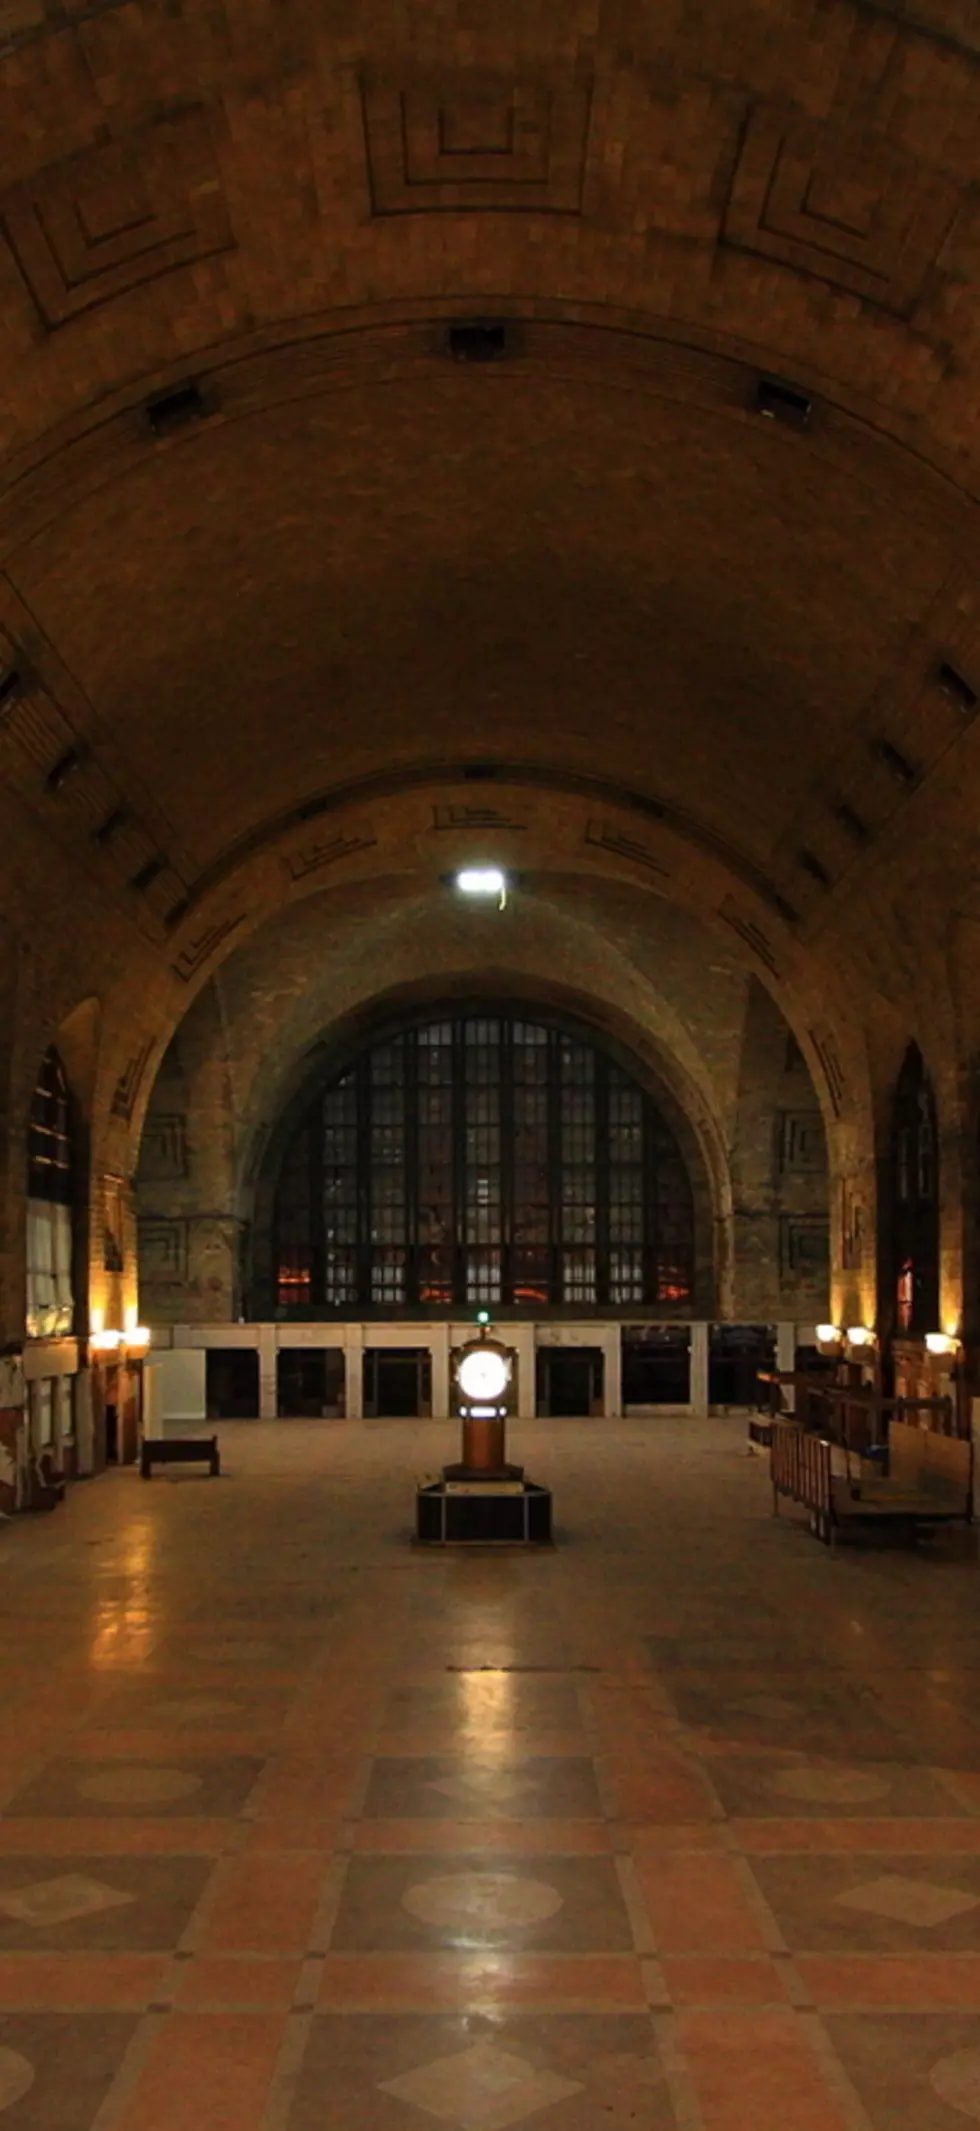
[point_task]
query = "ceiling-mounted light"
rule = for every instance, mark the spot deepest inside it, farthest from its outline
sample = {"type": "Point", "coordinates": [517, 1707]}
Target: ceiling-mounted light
{"type": "Point", "coordinates": [486, 882]}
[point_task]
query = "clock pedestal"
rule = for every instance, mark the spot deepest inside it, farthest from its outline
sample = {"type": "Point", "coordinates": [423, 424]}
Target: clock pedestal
{"type": "Point", "coordinates": [481, 1500]}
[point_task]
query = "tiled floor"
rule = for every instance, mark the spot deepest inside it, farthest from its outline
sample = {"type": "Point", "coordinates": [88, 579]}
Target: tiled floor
{"type": "Point", "coordinates": [676, 1828]}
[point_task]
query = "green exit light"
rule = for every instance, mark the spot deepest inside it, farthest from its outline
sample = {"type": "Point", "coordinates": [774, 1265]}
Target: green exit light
{"type": "Point", "coordinates": [483, 1316]}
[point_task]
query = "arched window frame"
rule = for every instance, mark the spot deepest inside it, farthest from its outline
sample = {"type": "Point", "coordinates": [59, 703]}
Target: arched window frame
{"type": "Point", "coordinates": [50, 1204]}
{"type": "Point", "coordinates": [606, 1236]}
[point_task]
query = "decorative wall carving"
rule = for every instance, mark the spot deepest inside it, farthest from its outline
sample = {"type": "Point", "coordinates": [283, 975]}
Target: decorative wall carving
{"type": "Point", "coordinates": [606, 838]}
{"type": "Point", "coordinates": [162, 1250]}
{"type": "Point", "coordinates": [467, 142]}
{"type": "Point", "coordinates": [118, 214]}
{"type": "Point", "coordinates": [750, 933]}
{"type": "Point", "coordinates": [312, 858]}
{"type": "Point", "coordinates": [800, 1143]}
{"type": "Point", "coordinates": [163, 1151]}
{"type": "Point", "coordinates": [128, 1085]}
{"type": "Point", "coordinates": [851, 1227]}
{"type": "Point", "coordinates": [832, 1071]}
{"type": "Point", "coordinates": [840, 202]}
{"type": "Point", "coordinates": [192, 957]}
{"type": "Point", "coordinates": [804, 1247]}
{"type": "Point", "coordinates": [473, 817]}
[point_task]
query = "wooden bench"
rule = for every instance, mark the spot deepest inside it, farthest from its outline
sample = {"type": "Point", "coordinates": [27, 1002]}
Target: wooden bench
{"type": "Point", "coordinates": [179, 1450]}
{"type": "Point", "coordinates": [929, 1479]}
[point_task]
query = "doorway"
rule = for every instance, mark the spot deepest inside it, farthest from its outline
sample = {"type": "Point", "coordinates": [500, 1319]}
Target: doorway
{"type": "Point", "coordinates": [736, 1353]}
{"type": "Point", "coordinates": [231, 1383]}
{"type": "Point", "coordinates": [570, 1382]}
{"type": "Point", "coordinates": [656, 1367]}
{"type": "Point", "coordinates": [310, 1383]}
{"type": "Point", "coordinates": [397, 1383]}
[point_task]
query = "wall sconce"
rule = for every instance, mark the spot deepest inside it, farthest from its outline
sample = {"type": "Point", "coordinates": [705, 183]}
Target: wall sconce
{"type": "Point", "coordinates": [941, 1343]}
{"type": "Point", "coordinates": [860, 1335]}
{"type": "Point", "coordinates": [137, 1339]}
{"type": "Point", "coordinates": [105, 1342]}
{"type": "Point", "coordinates": [829, 1335]}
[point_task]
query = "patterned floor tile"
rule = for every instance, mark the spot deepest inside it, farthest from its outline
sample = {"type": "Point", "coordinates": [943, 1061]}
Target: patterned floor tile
{"type": "Point", "coordinates": [880, 1904]}
{"type": "Point", "coordinates": [482, 1788]}
{"type": "Point", "coordinates": [560, 1904]}
{"type": "Point", "coordinates": [56, 2069]}
{"type": "Point", "coordinates": [123, 1904]}
{"type": "Point", "coordinates": [481, 2074]}
{"type": "Point", "coordinates": [913, 2072]}
{"type": "Point", "coordinates": [207, 1787]}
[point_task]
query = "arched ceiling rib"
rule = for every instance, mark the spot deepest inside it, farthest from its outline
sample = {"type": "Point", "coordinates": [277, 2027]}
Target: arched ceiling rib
{"type": "Point", "coordinates": [595, 557]}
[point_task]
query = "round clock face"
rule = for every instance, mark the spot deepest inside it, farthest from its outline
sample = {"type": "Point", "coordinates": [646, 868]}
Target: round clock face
{"type": "Point", "coordinates": [483, 1373]}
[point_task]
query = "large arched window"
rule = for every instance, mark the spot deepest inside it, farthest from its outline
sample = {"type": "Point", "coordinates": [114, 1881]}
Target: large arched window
{"type": "Point", "coordinates": [483, 1156]}
{"type": "Point", "coordinates": [915, 1199]}
{"type": "Point", "coordinates": [50, 1188]}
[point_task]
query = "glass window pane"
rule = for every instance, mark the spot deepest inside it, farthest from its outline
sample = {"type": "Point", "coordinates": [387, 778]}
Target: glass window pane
{"type": "Point", "coordinates": [484, 1157]}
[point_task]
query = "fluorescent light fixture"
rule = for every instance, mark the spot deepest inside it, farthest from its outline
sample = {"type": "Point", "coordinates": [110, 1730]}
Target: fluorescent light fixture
{"type": "Point", "coordinates": [483, 881]}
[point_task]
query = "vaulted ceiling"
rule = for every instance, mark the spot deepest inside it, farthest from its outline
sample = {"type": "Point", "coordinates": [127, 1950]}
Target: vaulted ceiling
{"type": "Point", "coordinates": [682, 521]}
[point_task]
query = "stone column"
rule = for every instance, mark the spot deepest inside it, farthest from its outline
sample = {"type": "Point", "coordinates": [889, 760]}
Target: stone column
{"type": "Point", "coordinates": [354, 1372]}
{"type": "Point", "coordinates": [786, 1359]}
{"type": "Point", "coordinates": [612, 1371]}
{"type": "Point", "coordinates": [268, 1372]}
{"type": "Point", "coordinates": [439, 1351]}
{"type": "Point", "coordinates": [521, 1336]}
{"type": "Point", "coordinates": [699, 1369]}
{"type": "Point", "coordinates": [62, 1416]}
{"type": "Point", "coordinates": [84, 1423]}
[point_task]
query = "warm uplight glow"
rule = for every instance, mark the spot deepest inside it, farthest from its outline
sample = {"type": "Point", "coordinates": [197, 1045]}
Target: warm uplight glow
{"type": "Point", "coordinates": [941, 1343]}
{"type": "Point", "coordinates": [483, 881]}
{"type": "Point", "coordinates": [860, 1335]}
{"type": "Point", "coordinates": [106, 1342]}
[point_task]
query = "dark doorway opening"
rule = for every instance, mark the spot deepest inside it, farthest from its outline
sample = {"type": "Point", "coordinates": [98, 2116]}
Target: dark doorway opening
{"type": "Point", "coordinates": [736, 1353]}
{"type": "Point", "coordinates": [656, 1366]}
{"type": "Point", "coordinates": [397, 1383]}
{"type": "Point", "coordinates": [111, 1432]}
{"type": "Point", "coordinates": [310, 1383]}
{"type": "Point", "coordinates": [231, 1382]}
{"type": "Point", "coordinates": [569, 1381]}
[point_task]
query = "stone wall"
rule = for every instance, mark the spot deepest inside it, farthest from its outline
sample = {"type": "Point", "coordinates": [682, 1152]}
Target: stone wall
{"type": "Point", "coordinates": [711, 1042]}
